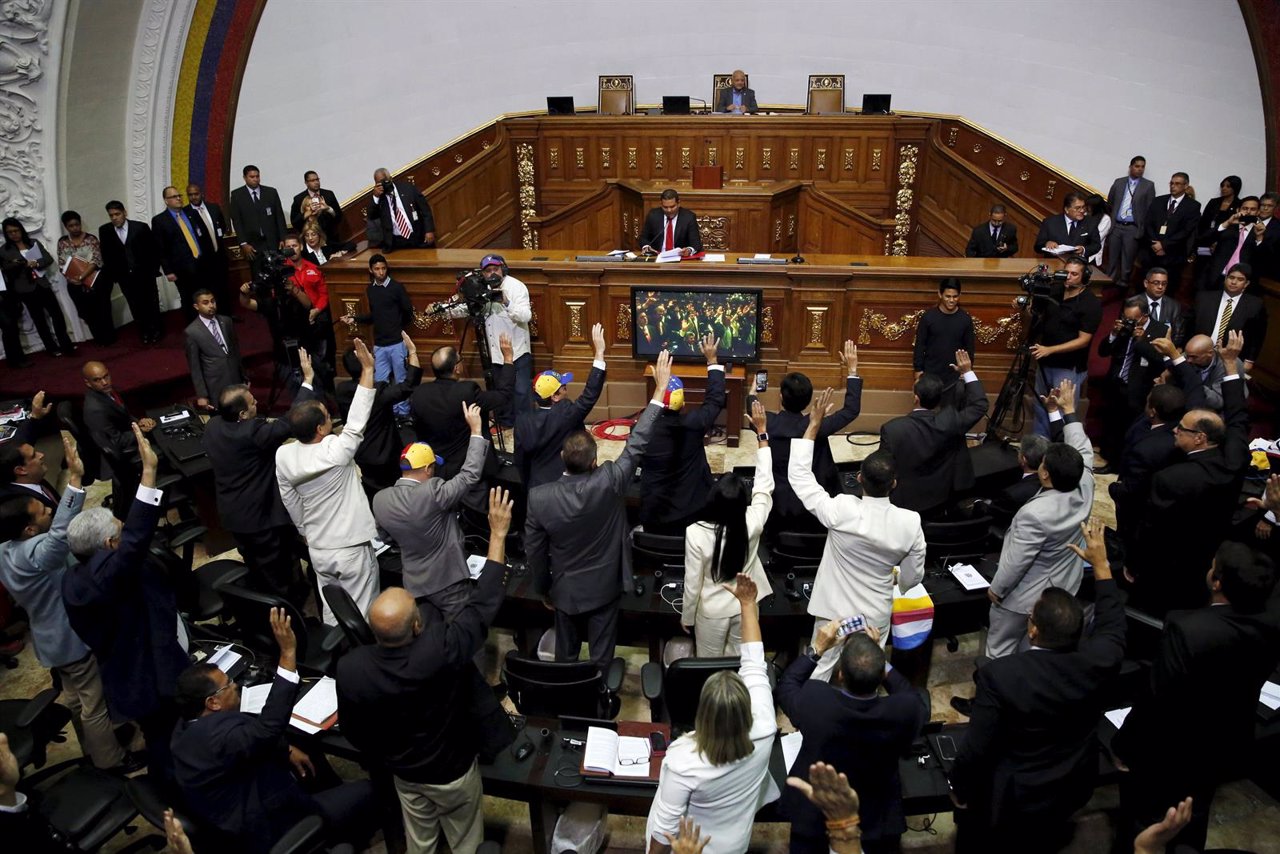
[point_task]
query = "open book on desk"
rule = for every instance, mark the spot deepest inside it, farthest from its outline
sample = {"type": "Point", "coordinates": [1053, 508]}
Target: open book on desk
{"type": "Point", "coordinates": [616, 755]}
{"type": "Point", "coordinates": [316, 710]}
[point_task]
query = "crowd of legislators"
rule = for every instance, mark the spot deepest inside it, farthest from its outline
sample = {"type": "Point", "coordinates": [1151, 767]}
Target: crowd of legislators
{"type": "Point", "coordinates": [308, 504]}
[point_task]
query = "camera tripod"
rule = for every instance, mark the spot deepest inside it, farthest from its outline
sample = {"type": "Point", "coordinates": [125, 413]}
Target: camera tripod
{"type": "Point", "coordinates": [1008, 415]}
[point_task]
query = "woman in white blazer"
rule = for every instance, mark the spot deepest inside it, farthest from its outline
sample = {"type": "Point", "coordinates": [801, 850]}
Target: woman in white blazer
{"type": "Point", "coordinates": [718, 774]}
{"type": "Point", "coordinates": [724, 542]}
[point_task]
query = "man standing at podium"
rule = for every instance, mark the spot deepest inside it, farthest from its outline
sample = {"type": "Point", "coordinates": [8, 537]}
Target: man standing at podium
{"type": "Point", "coordinates": [670, 227]}
{"type": "Point", "coordinates": [737, 98]}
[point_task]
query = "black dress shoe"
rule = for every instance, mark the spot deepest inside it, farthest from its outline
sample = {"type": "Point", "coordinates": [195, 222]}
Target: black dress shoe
{"type": "Point", "coordinates": [1106, 469]}
{"type": "Point", "coordinates": [133, 762]}
{"type": "Point", "coordinates": [963, 705]}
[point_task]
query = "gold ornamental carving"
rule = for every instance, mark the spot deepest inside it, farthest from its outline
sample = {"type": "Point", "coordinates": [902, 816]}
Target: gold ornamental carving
{"type": "Point", "coordinates": [575, 319]}
{"type": "Point", "coordinates": [606, 157]}
{"type": "Point", "coordinates": [528, 194]}
{"type": "Point", "coordinates": [977, 147]}
{"type": "Point", "coordinates": [1024, 175]}
{"type": "Point", "coordinates": [457, 158]}
{"type": "Point", "coordinates": [622, 331]}
{"type": "Point", "coordinates": [413, 180]}
{"type": "Point", "coordinates": [875, 160]}
{"type": "Point", "coordinates": [777, 230]}
{"type": "Point", "coordinates": [553, 157]}
{"type": "Point", "coordinates": [626, 224]}
{"type": "Point", "coordinates": [766, 158]}
{"type": "Point", "coordinates": [888, 237]}
{"type": "Point", "coordinates": [714, 231]}
{"type": "Point", "coordinates": [1000, 160]}
{"type": "Point", "coordinates": [822, 160]}
{"type": "Point", "coordinates": [1049, 191]}
{"type": "Point", "coordinates": [740, 158]}
{"type": "Point", "coordinates": [580, 157]}
{"type": "Point", "coordinates": [633, 159]}
{"type": "Point", "coordinates": [659, 155]}
{"type": "Point", "coordinates": [791, 225]}
{"type": "Point", "coordinates": [1010, 327]}
{"type": "Point", "coordinates": [951, 137]}
{"type": "Point", "coordinates": [435, 170]}
{"type": "Point", "coordinates": [848, 160]}
{"type": "Point", "coordinates": [533, 324]}
{"type": "Point", "coordinates": [766, 325]}
{"type": "Point", "coordinates": [684, 157]}
{"type": "Point", "coordinates": [826, 81]}
{"type": "Point", "coordinates": [793, 159]}
{"type": "Point", "coordinates": [713, 156]}
{"type": "Point", "coordinates": [237, 254]}
{"type": "Point", "coordinates": [486, 145]}
{"type": "Point", "coordinates": [615, 84]}
{"type": "Point", "coordinates": [907, 158]}
{"type": "Point", "coordinates": [817, 323]}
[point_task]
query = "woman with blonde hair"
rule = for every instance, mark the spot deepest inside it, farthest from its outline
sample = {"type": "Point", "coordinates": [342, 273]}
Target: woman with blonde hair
{"type": "Point", "coordinates": [722, 543]}
{"type": "Point", "coordinates": [718, 774]}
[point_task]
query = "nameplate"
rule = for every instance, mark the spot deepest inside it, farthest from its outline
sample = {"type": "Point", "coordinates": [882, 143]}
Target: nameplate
{"type": "Point", "coordinates": [773, 261]}
{"type": "Point", "coordinates": [595, 259]}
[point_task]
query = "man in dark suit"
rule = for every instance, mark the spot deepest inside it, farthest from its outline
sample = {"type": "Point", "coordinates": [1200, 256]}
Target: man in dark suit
{"type": "Point", "coordinates": [1134, 366]}
{"type": "Point", "coordinates": [1195, 729]}
{"type": "Point", "coordinates": [1170, 227]}
{"type": "Point", "coordinates": [1189, 510]}
{"type": "Point", "coordinates": [994, 238]}
{"type": "Point", "coordinates": [576, 535]}
{"type": "Point", "coordinates": [675, 478]}
{"type": "Point", "coordinates": [1219, 312]}
{"type": "Point", "coordinates": [928, 444]}
{"type": "Point", "coordinates": [1006, 503]}
{"type": "Point", "coordinates": [1161, 307]}
{"type": "Point", "coordinates": [437, 410]}
{"type": "Point", "coordinates": [541, 431]}
{"type": "Point", "coordinates": [1149, 446]}
{"type": "Point", "coordinates": [1129, 200]}
{"type": "Point", "coordinates": [848, 725]}
{"type": "Point", "coordinates": [402, 212]}
{"type": "Point", "coordinates": [1030, 756]}
{"type": "Point", "coordinates": [736, 97]}
{"type": "Point", "coordinates": [213, 351]}
{"type": "Point", "coordinates": [179, 242]}
{"type": "Point", "coordinates": [237, 771]}
{"type": "Point", "coordinates": [790, 422]}
{"type": "Point", "coordinates": [318, 205]}
{"type": "Point", "coordinates": [406, 702]}
{"type": "Point", "coordinates": [129, 260]}
{"type": "Point", "coordinates": [257, 216]}
{"type": "Point", "coordinates": [110, 427]}
{"type": "Point", "coordinates": [212, 270]}
{"type": "Point", "coordinates": [670, 227]}
{"type": "Point", "coordinates": [1239, 239]}
{"type": "Point", "coordinates": [124, 608]}
{"type": "Point", "coordinates": [1071, 228]}
{"type": "Point", "coordinates": [241, 446]}
{"type": "Point", "coordinates": [23, 471]}
{"type": "Point", "coordinates": [379, 453]}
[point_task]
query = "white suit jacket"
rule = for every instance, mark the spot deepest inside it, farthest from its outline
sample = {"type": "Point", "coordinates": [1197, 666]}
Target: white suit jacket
{"type": "Point", "coordinates": [320, 483]}
{"type": "Point", "coordinates": [866, 539]}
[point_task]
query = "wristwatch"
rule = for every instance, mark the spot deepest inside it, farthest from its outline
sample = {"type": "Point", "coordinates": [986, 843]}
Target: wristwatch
{"type": "Point", "coordinates": [762, 437]}
{"type": "Point", "coordinates": [812, 654]}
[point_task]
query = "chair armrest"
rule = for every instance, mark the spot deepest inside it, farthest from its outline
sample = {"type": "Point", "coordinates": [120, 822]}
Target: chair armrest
{"type": "Point", "coordinates": [332, 640]}
{"type": "Point", "coordinates": [651, 680]}
{"type": "Point", "coordinates": [190, 534]}
{"type": "Point", "coordinates": [36, 707]}
{"type": "Point", "coordinates": [613, 676]}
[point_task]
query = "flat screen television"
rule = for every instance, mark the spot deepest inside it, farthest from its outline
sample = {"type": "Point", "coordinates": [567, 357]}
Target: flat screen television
{"type": "Point", "coordinates": [678, 318]}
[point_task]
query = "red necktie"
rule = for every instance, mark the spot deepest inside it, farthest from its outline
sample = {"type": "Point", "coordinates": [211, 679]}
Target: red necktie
{"type": "Point", "coordinates": [116, 397]}
{"type": "Point", "coordinates": [669, 243]}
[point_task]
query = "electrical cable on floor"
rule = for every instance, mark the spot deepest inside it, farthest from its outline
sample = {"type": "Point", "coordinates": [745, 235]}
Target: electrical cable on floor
{"type": "Point", "coordinates": [926, 826]}
{"type": "Point", "coordinates": [849, 437]}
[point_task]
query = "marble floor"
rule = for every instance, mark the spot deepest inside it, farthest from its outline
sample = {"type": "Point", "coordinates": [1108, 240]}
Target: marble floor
{"type": "Point", "coordinates": [1244, 817]}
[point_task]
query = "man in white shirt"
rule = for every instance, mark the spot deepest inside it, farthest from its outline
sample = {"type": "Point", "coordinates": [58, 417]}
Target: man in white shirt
{"type": "Point", "coordinates": [866, 539]}
{"type": "Point", "coordinates": [320, 486]}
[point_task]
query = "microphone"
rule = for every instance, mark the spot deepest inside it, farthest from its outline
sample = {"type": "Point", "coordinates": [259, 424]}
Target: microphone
{"type": "Point", "coordinates": [705, 105]}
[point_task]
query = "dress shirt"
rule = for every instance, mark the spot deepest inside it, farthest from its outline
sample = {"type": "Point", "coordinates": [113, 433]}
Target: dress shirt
{"type": "Point", "coordinates": [1126, 203]}
{"type": "Point", "coordinates": [208, 224]}
{"type": "Point", "coordinates": [122, 232]}
{"type": "Point", "coordinates": [216, 331]}
{"type": "Point", "coordinates": [320, 256]}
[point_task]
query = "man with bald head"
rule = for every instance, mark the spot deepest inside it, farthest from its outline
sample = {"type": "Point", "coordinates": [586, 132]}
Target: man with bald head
{"type": "Point", "coordinates": [1188, 513]}
{"type": "Point", "coordinates": [111, 427]}
{"type": "Point", "coordinates": [408, 702]}
{"type": "Point", "coordinates": [736, 97]}
{"type": "Point", "coordinates": [1202, 365]}
{"type": "Point", "coordinates": [181, 242]}
{"type": "Point", "coordinates": [402, 212]}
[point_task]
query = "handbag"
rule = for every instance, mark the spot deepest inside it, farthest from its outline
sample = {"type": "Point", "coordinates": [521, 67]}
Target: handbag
{"type": "Point", "coordinates": [912, 618]}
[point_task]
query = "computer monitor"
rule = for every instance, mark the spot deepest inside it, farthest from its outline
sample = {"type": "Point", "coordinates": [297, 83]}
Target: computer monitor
{"type": "Point", "coordinates": [677, 318]}
{"type": "Point", "coordinates": [875, 105]}
{"type": "Point", "coordinates": [559, 105]}
{"type": "Point", "coordinates": [675, 105]}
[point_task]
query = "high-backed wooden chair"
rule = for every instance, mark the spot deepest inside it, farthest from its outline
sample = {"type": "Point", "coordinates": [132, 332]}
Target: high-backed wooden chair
{"type": "Point", "coordinates": [616, 96]}
{"type": "Point", "coordinates": [826, 94]}
{"type": "Point", "coordinates": [719, 82]}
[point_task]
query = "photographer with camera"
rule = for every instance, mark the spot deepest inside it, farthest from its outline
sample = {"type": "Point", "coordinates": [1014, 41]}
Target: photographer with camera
{"type": "Point", "coordinates": [275, 295]}
{"type": "Point", "coordinates": [1062, 348]}
{"type": "Point", "coordinates": [391, 314]}
{"type": "Point", "coordinates": [501, 301]}
{"type": "Point", "coordinates": [402, 212]}
{"type": "Point", "coordinates": [1135, 364]}
{"type": "Point", "coordinates": [319, 339]}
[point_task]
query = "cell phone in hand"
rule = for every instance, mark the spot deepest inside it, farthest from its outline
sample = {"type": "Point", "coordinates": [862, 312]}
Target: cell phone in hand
{"type": "Point", "coordinates": [762, 381]}
{"type": "Point", "coordinates": [849, 625]}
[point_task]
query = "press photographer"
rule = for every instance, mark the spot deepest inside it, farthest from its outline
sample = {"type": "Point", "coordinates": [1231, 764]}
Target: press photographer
{"type": "Point", "coordinates": [275, 295]}
{"type": "Point", "coordinates": [319, 340]}
{"type": "Point", "coordinates": [491, 296]}
{"type": "Point", "coordinates": [1135, 364]}
{"type": "Point", "coordinates": [1060, 345]}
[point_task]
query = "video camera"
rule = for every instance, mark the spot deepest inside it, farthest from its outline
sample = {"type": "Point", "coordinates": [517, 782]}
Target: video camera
{"type": "Point", "coordinates": [272, 278]}
{"type": "Point", "coordinates": [478, 290]}
{"type": "Point", "coordinates": [1040, 284]}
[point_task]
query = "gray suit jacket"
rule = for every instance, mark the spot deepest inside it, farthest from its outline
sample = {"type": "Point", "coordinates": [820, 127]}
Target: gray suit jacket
{"type": "Point", "coordinates": [211, 369]}
{"type": "Point", "coordinates": [31, 570]}
{"type": "Point", "coordinates": [575, 532]}
{"type": "Point", "coordinates": [1034, 555]}
{"type": "Point", "coordinates": [419, 518]}
{"type": "Point", "coordinates": [1143, 195]}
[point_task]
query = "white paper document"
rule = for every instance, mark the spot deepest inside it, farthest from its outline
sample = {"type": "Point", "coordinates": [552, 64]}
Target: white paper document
{"type": "Point", "coordinates": [669, 256]}
{"type": "Point", "coordinates": [791, 743]}
{"type": "Point", "coordinates": [1117, 716]}
{"type": "Point", "coordinates": [253, 698]}
{"type": "Point", "coordinates": [714, 257]}
{"type": "Point", "coordinates": [762, 256]}
{"type": "Point", "coordinates": [318, 705]}
{"type": "Point", "coordinates": [224, 658]}
{"type": "Point", "coordinates": [968, 576]}
{"type": "Point", "coordinates": [1270, 696]}
{"type": "Point", "coordinates": [1061, 249]}
{"type": "Point", "coordinates": [619, 755]}
{"type": "Point", "coordinates": [475, 565]}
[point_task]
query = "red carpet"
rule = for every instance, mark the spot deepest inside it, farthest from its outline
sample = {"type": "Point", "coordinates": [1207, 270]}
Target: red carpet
{"type": "Point", "coordinates": [145, 376]}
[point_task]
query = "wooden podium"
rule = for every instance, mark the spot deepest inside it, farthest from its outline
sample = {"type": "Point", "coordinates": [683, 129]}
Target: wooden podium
{"type": "Point", "coordinates": [694, 377]}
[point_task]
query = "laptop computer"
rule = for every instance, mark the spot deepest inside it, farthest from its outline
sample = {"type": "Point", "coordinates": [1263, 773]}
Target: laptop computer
{"type": "Point", "coordinates": [875, 105]}
{"type": "Point", "coordinates": [675, 105]}
{"type": "Point", "coordinates": [560, 105]}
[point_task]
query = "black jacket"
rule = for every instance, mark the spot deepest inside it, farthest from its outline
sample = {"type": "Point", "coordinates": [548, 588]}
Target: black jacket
{"type": "Point", "coordinates": [684, 232]}
{"type": "Point", "coordinates": [381, 444]}
{"type": "Point", "coordinates": [982, 246]}
{"type": "Point", "coordinates": [540, 433]}
{"type": "Point", "coordinates": [261, 225]}
{"type": "Point", "coordinates": [111, 427]}
{"type": "Point", "coordinates": [784, 426]}
{"type": "Point", "coordinates": [243, 456]}
{"type": "Point", "coordinates": [1248, 314]}
{"type": "Point", "coordinates": [929, 451]}
{"type": "Point", "coordinates": [137, 260]}
{"type": "Point", "coordinates": [674, 475]}
{"type": "Point", "coordinates": [437, 416]}
{"type": "Point", "coordinates": [1180, 230]}
{"type": "Point", "coordinates": [416, 208]}
{"type": "Point", "coordinates": [408, 708]}
{"type": "Point", "coordinates": [1141, 378]}
{"type": "Point", "coordinates": [328, 224]}
{"type": "Point", "coordinates": [171, 246]}
{"type": "Point", "coordinates": [1054, 228]}
{"type": "Point", "coordinates": [1006, 503]}
{"type": "Point", "coordinates": [1030, 748]}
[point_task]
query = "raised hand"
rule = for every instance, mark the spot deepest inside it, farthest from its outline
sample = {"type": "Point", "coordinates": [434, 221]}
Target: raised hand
{"type": "Point", "coordinates": [829, 791]}
{"type": "Point", "coordinates": [823, 405]}
{"type": "Point", "coordinates": [597, 340]}
{"type": "Point", "coordinates": [759, 418]}
{"type": "Point", "coordinates": [146, 453]}
{"type": "Point", "coordinates": [744, 588]}
{"type": "Point", "coordinates": [1165, 347]}
{"type": "Point", "coordinates": [687, 839]}
{"type": "Point", "coordinates": [1230, 352]}
{"type": "Point", "coordinates": [282, 629]}
{"type": "Point", "coordinates": [504, 344]}
{"type": "Point", "coordinates": [1095, 547]}
{"type": "Point", "coordinates": [366, 362]}
{"type": "Point", "coordinates": [71, 456]}
{"type": "Point", "coordinates": [39, 409]}
{"type": "Point", "coordinates": [304, 362]}
{"type": "Point", "coordinates": [1067, 397]}
{"type": "Point", "coordinates": [500, 505]}
{"type": "Point", "coordinates": [709, 346]}
{"type": "Point", "coordinates": [963, 364]}
{"type": "Point", "coordinates": [662, 373]}
{"type": "Point", "coordinates": [1157, 836]}
{"type": "Point", "coordinates": [471, 414]}
{"type": "Point", "coordinates": [849, 357]}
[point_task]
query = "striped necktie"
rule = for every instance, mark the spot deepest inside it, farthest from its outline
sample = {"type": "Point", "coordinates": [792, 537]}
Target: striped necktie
{"type": "Point", "coordinates": [216, 330]}
{"type": "Point", "coordinates": [1221, 335]}
{"type": "Point", "coordinates": [402, 226]}
{"type": "Point", "coordinates": [185, 227]}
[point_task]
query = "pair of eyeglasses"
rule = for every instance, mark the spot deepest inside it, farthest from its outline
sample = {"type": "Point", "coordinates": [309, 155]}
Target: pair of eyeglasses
{"type": "Point", "coordinates": [230, 683]}
{"type": "Point", "coordinates": [1178, 428]}
{"type": "Point", "coordinates": [644, 760]}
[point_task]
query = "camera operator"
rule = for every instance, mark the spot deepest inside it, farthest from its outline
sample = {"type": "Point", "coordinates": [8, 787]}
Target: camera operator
{"type": "Point", "coordinates": [285, 305]}
{"type": "Point", "coordinates": [402, 212]}
{"type": "Point", "coordinates": [502, 301]}
{"type": "Point", "coordinates": [1062, 348]}
{"type": "Point", "coordinates": [319, 340]}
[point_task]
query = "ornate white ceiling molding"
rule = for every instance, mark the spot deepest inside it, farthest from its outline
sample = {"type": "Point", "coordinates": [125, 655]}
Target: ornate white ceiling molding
{"type": "Point", "coordinates": [26, 120]}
